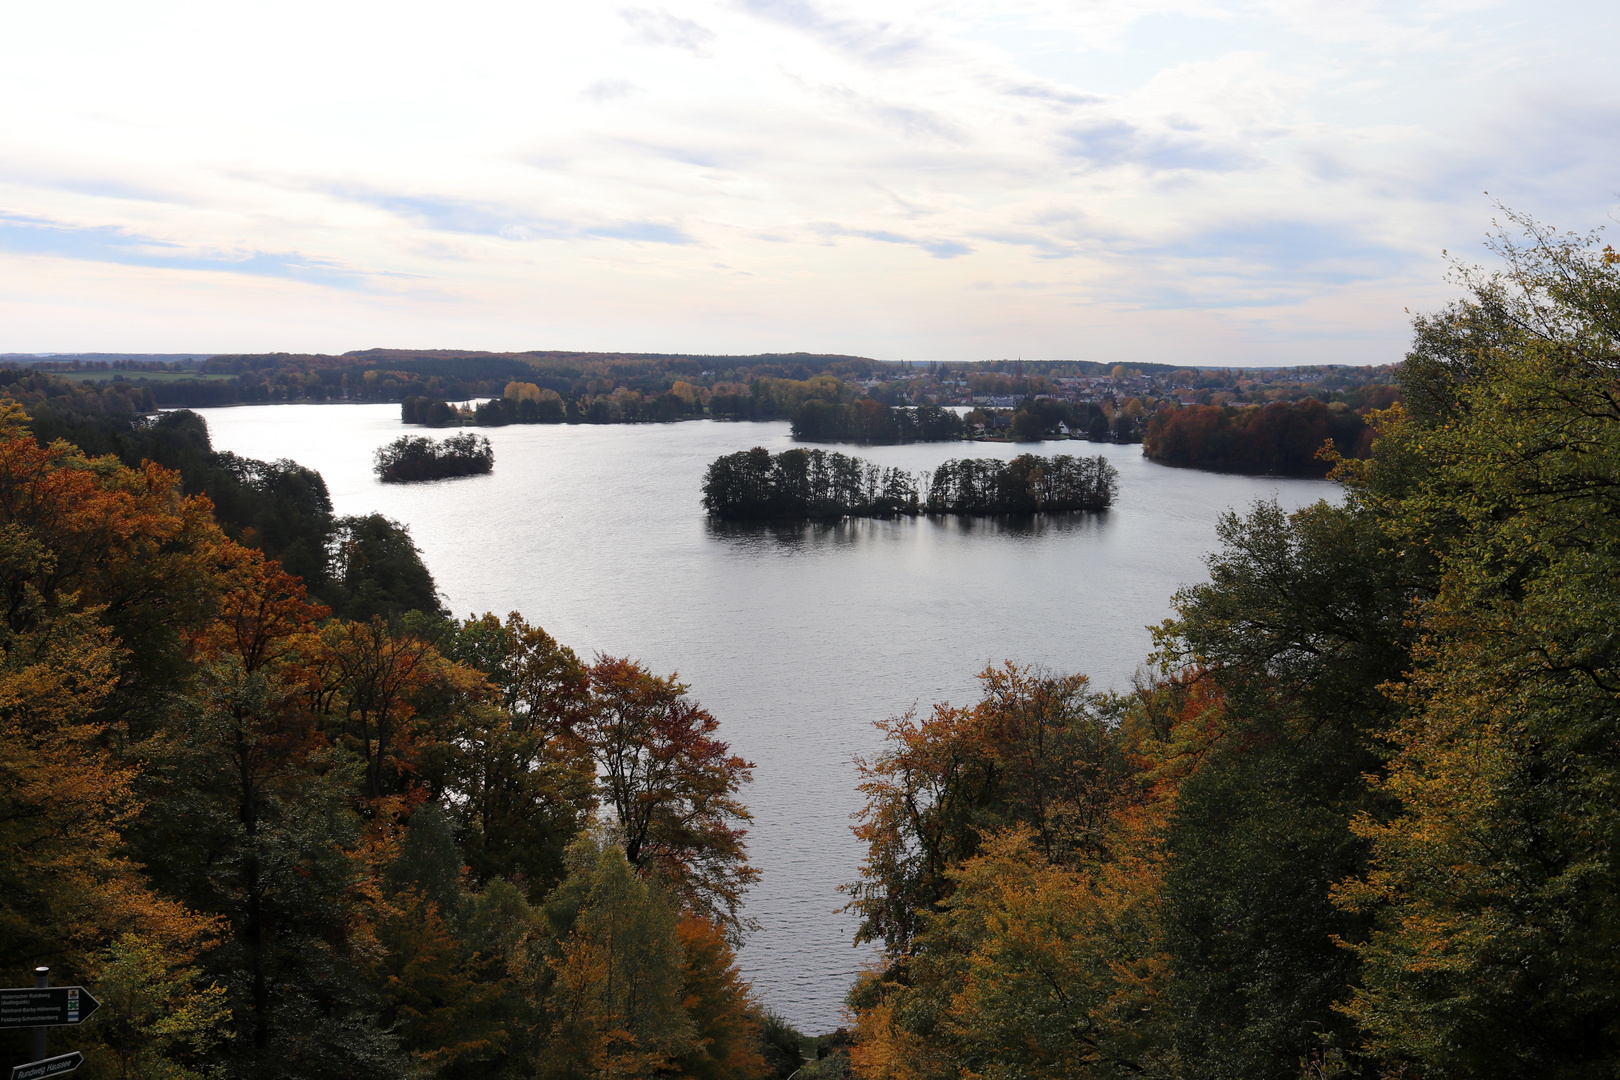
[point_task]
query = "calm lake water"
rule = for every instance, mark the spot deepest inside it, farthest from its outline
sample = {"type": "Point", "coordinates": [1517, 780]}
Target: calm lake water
{"type": "Point", "coordinates": [797, 639]}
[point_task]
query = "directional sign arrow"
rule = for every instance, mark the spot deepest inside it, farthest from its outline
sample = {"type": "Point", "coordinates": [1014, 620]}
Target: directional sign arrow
{"type": "Point", "coordinates": [51, 1066]}
{"type": "Point", "coordinates": [45, 1006]}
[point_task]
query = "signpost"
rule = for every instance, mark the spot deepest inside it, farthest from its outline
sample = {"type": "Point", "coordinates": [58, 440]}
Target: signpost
{"type": "Point", "coordinates": [56, 1066]}
{"type": "Point", "coordinates": [51, 1006]}
{"type": "Point", "coordinates": [43, 1006]}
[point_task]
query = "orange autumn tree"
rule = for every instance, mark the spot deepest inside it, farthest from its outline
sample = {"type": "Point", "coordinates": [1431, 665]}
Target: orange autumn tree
{"type": "Point", "coordinates": [165, 765]}
{"type": "Point", "coordinates": [1038, 750]}
{"type": "Point", "coordinates": [1015, 871]}
{"type": "Point", "coordinates": [720, 1005]}
{"type": "Point", "coordinates": [366, 680]}
{"type": "Point", "coordinates": [672, 787]}
{"type": "Point", "coordinates": [213, 785]}
{"type": "Point", "coordinates": [78, 537]}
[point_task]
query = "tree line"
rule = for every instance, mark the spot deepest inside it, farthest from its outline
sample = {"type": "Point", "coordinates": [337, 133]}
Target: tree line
{"type": "Point", "coordinates": [412, 458]}
{"type": "Point", "coordinates": [754, 485]}
{"type": "Point", "coordinates": [280, 841]}
{"type": "Point", "coordinates": [1356, 819]}
{"type": "Point", "coordinates": [874, 423]}
{"type": "Point", "coordinates": [1027, 484]}
{"type": "Point", "coordinates": [1034, 419]}
{"type": "Point", "coordinates": [1283, 437]}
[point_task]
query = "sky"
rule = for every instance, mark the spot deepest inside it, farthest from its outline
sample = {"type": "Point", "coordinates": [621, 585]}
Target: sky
{"type": "Point", "coordinates": [1174, 181]}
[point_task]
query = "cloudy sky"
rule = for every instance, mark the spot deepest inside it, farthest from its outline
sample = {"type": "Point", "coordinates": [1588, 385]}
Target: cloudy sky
{"type": "Point", "coordinates": [1217, 181]}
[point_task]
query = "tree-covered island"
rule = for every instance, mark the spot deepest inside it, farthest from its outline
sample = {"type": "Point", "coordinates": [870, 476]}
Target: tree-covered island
{"type": "Point", "coordinates": [756, 485]}
{"type": "Point", "coordinates": [412, 458]}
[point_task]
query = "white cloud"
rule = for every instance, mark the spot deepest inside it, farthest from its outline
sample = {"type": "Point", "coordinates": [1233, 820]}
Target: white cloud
{"type": "Point", "coordinates": [918, 178]}
{"type": "Point", "coordinates": [661, 28]}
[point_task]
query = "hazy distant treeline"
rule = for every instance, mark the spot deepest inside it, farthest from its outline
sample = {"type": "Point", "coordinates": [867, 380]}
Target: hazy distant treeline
{"type": "Point", "coordinates": [823, 485]}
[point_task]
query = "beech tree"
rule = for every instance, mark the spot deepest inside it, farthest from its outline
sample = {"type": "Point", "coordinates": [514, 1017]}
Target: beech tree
{"type": "Point", "coordinates": [671, 785]}
{"type": "Point", "coordinates": [1038, 750]}
{"type": "Point", "coordinates": [1026, 969]}
{"type": "Point", "coordinates": [521, 775]}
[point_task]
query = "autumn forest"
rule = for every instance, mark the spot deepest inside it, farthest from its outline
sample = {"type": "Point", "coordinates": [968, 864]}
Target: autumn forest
{"type": "Point", "coordinates": [1357, 817]}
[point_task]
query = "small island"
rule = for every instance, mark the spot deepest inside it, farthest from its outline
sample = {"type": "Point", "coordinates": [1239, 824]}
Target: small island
{"type": "Point", "coordinates": [413, 458]}
{"type": "Point", "coordinates": [822, 485]}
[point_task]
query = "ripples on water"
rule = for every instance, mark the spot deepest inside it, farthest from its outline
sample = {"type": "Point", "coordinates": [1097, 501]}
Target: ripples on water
{"type": "Point", "coordinates": [795, 637]}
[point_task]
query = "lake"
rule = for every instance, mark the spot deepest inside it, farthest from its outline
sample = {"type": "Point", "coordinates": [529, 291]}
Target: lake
{"type": "Point", "coordinates": [795, 638]}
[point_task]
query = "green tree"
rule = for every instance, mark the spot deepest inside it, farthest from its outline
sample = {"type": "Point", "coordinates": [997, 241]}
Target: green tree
{"type": "Point", "coordinates": [616, 999]}
{"type": "Point", "coordinates": [377, 570]}
{"type": "Point", "coordinates": [522, 780]}
{"type": "Point", "coordinates": [251, 817]}
{"type": "Point", "coordinates": [1300, 623]}
{"type": "Point", "coordinates": [155, 1022]}
{"type": "Point", "coordinates": [1496, 946]}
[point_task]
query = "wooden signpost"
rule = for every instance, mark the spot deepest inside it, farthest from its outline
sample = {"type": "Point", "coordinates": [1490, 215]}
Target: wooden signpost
{"type": "Point", "coordinates": [43, 1006]}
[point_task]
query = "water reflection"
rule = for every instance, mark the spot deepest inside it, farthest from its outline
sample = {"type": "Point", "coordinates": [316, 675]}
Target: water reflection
{"type": "Point", "coordinates": [1027, 526]}
{"type": "Point", "coordinates": [789, 537]}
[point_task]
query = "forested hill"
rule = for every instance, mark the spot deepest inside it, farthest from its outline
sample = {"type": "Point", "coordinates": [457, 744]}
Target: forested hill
{"type": "Point", "coordinates": [394, 374]}
{"type": "Point", "coordinates": [693, 362]}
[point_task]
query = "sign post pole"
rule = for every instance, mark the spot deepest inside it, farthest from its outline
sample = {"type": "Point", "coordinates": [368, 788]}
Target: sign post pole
{"type": "Point", "coordinates": [42, 979]}
{"type": "Point", "coordinates": [42, 1007]}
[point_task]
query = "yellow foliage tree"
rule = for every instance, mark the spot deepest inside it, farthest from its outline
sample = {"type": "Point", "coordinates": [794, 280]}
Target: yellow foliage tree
{"type": "Point", "coordinates": [74, 530]}
{"type": "Point", "coordinates": [617, 995]}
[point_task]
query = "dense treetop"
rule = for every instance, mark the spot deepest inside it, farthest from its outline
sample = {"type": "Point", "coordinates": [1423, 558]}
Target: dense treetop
{"type": "Point", "coordinates": [1283, 437]}
{"type": "Point", "coordinates": [412, 458]}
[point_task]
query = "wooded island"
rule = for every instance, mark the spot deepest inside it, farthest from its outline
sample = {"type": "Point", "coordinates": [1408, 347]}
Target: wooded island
{"type": "Point", "coordinates": [756, 485]}
{"type": "Point", "coordinates": [412, 458]}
